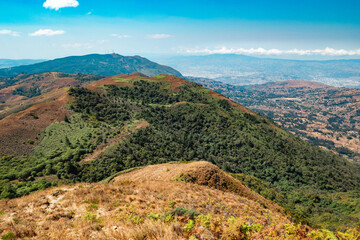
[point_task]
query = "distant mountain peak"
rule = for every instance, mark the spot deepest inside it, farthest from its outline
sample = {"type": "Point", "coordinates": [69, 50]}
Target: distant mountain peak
{"type": "Point", "coordinates": [95, 64]}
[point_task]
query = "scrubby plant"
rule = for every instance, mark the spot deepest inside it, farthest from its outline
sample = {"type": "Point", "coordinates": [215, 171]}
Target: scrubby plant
{"type": "Point", "coordinates": [8, 236]}
{"type": "Point", "coordinates": [91, 217]}
{"type": "Point", "coordinates": [171, 203]}
{"type": "Point", "coordinates": [189, 226]}
{"type": "Point", "coordinates": [154, 216]}
{"type": "Point", "coordinates": [92, 207]}
{"type": "Point", "coordinates": [322, 234]}
{"type": "Point", "coordinates": [181, 211]}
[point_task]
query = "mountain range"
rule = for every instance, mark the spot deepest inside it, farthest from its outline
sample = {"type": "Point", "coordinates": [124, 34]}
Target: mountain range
{"type": "Point", "coordinates": [6, 63]}
{"type": "Point", "coordinates": [96, 64]}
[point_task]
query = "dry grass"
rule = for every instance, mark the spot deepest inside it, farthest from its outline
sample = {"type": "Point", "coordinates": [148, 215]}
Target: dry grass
{"type": "Point", "coordinates": [132, 207]}
{"type": "Point", "coordinates": [201, 173]}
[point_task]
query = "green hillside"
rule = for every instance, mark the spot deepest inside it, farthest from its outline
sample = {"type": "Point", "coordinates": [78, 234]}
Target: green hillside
{"type": "Point", "coordinates": [122, 123]}
{"type": "Point", "coordinates": [96, 64]}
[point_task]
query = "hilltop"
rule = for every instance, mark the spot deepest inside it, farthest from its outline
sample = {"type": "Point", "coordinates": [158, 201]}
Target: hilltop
{"type": "Point", "coordinates": [90, 133]}
{"type": "Point", "coordinates": [95, 64]}
{"type": "Point", "coordinates": [168, 201]}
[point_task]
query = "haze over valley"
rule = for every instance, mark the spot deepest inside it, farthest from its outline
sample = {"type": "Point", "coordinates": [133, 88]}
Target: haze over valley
{"type": "Point", "coordinates": [242, 70]}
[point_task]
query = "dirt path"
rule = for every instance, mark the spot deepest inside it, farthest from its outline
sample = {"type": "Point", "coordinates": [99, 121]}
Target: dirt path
{"type": "Point", "coordinates": [102, 147]}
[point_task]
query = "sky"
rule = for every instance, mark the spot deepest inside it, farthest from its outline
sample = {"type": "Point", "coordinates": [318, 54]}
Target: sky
{"type": "Point", "coordinates": [306, 29]}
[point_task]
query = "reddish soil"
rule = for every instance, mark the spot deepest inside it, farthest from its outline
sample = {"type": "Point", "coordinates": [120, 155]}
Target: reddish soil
{"type": "Point", "coordinates": [49, 83]}
{"type": "Point", "coordinates": [19, 130]}
{"type": "Point", "coordinates": [175, 81]}
{"type": "Point", "coordinates": [107, 81]}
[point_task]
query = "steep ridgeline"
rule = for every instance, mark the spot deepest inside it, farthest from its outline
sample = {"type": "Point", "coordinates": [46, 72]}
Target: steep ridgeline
{"type": "Point", "coordinates": [324, 115]}
{"type": "Point", "coordinates": [128, 121]}
{"type": "Point", "coordinates": [96, 64]}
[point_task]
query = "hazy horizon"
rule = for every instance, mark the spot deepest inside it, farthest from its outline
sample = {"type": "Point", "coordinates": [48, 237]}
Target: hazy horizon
{"type": "Point", "coordinates": [48, 29]}
{"type": "Point", "coordinates": [159, 57]}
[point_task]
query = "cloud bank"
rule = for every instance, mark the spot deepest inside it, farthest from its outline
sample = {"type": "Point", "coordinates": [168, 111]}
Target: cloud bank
{"type": "Point", "coordinates": [273, 51]}
{"type": "Point", "coordinates": [46, 32]}
{"type": "Point", "coordinates": [57, 4]}
{"type": "Point", "coordinates": [159, 36]}
{"type": "Point", "coordinates": [9, 32]}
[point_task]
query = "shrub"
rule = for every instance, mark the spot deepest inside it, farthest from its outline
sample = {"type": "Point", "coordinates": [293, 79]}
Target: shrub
{"type": "Point", "coordinates": [172, 203]}
{"type": "Point", "coordinates": [8, 236]}
{"type": "Point", "coordinates": [92, 207]}
{"type": "Point", "coordinates": [180, 211]}
{"type": "Point", "coordinates": [189, 226]}
{"type": "Point", "coordinates": [154, 216]}
{"type": "Point", "coordinates": [91, 217]}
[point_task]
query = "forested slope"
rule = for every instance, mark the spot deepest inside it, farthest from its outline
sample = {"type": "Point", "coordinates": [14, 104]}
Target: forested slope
{"type": "Point", "coordinates": [186, 122]}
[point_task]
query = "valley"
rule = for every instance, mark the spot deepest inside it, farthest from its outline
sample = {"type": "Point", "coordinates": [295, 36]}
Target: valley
{"type": "Point", "coordinates": [324, 115]}
{"type": "Point", "coordinates": [242, 70]}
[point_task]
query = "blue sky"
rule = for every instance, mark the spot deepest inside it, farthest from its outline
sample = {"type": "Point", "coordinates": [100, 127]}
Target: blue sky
{"type": "Point", "coordinates": [314, 29]}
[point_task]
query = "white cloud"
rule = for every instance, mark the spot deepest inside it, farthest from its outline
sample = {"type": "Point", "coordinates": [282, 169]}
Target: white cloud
{"type": "Point", "coordinates": [9, 32]}
{"type": "Point", "coordinates": [120, 36]}
{"type": "Point", "coordinates": [46, 32]}
{"type": "Point", "coordinates": [159, 36]}
{"type": "Point", "coordinates": [273, 51]}
{"type": "Point", "coordinates": [89, 13]}
{"type": "Point", "coordinates": [57, 4]}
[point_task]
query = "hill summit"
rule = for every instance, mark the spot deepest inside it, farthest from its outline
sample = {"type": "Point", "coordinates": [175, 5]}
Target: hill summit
{"type": "Point", "coordinates": [178, 201]}
{"type": "Point", "coordinates": [96, 64]}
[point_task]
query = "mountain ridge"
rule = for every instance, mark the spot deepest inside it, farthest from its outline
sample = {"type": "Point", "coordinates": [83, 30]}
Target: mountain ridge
{"type": "Point", "coordinates": [6, 63]}
{"type": "Point", "coordinates": [95, 64]}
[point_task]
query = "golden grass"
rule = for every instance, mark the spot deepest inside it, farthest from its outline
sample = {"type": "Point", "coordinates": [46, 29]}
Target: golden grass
{"type": "Point", "coordinates": [139, 208]}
